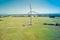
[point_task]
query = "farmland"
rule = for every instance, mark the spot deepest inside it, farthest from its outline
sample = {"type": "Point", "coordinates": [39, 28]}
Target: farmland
{"type": "Point", "coordinates": [11, 28]}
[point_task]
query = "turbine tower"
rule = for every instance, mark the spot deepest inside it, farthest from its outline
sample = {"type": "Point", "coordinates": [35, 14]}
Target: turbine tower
{"type": "Point", "coordinates": [30, 13]}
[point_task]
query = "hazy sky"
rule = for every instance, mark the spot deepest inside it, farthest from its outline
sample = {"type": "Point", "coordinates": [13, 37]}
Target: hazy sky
{"type": "Point", "coordinates": [22, 6]}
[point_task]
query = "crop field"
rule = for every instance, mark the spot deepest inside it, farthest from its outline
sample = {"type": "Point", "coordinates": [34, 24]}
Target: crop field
{"type": "Point", "coordinates": [11, 28]}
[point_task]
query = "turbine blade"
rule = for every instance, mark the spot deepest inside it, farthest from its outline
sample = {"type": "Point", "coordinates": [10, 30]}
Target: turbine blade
{"type": "Point", "coordinates": [35, 12]}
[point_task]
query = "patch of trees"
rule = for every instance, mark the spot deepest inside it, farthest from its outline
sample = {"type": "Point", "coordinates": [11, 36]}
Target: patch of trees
{"type": "Point", "coordinates": [56, 24]}
{"type": "Point", "coordinates": [51, 16]}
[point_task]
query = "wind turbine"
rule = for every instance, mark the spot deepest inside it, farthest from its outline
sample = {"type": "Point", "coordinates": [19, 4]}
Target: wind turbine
{"type": "Point", "coordinates": [30, 14]}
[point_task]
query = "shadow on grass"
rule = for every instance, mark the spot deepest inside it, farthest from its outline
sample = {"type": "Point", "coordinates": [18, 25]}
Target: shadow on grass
{"type": "Point", "coordinates": [1, 20]}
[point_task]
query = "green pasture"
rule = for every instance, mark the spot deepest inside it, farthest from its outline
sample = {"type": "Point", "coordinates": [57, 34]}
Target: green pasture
{"type": "Point", "coordinates": [11, 28]}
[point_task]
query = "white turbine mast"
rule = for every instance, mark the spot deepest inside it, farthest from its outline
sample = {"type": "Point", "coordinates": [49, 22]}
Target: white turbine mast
{"type": "Point", "coordinates": [30, 13]}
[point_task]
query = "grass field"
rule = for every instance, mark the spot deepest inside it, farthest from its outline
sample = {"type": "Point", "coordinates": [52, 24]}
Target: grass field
{"type": "Point", "coordinates": [11, 29]}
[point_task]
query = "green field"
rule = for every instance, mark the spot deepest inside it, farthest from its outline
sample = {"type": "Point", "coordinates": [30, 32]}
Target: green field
{"type": "Point", "coordinates": [11, 28]}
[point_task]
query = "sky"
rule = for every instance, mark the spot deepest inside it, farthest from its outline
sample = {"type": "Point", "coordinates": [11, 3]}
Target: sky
{"type": "Point", "coordinates": [23, 6]}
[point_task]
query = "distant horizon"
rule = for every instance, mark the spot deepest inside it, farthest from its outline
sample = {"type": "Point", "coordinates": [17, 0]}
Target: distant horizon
{"type": "Point", "coordinates": [37, 13]}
